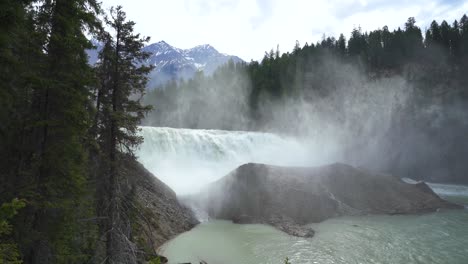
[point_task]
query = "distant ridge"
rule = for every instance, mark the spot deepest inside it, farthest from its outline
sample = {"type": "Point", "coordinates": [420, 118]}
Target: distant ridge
{"type": "Point", "coordinates": [172, 63]}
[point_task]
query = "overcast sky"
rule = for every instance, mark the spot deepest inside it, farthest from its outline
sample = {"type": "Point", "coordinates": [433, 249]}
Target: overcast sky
{"type": "Point", "coordinates": [248, 28]}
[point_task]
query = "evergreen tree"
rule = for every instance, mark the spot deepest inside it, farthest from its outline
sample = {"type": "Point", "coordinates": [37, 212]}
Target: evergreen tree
{"type": "Point", "coordinates": [433, 35]}
{"type": "Point", "coordinates": [445, 35]}
{"type": "Point", "coordinates": [375, 49]}
{"type": "Point", "coordinates": [455, 39]}
{"type": "Point", "coordinates": [464, 36]}
{"type": "Point", "coordinates": [464, 48]}
{"type": "Point", "coordinates": [357, 44]}
{"type": "Point", "coordinates": [59, 125]}
{"type": "Point", "coordinates": [413, 41]}
{"type": "Point", "coordinates": [341, 45]}
{"type": "Point", "coordinates": [16, 65]}
{"type": "Point", "coordinates": [122, 81]}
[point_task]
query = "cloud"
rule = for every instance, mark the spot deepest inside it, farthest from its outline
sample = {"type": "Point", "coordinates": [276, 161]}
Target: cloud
{"type": "Point", "coordinates": [249, 28]}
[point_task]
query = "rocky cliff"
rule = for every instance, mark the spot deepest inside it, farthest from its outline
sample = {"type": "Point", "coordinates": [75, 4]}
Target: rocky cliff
{"type": "Point", "coordinates": [290, 197]}
{"type": "Point", "coordinates": [157, 216]}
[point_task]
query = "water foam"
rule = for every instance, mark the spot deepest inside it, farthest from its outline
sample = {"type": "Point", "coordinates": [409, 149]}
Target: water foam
{"type": "Point", "coordinates": [449, 189]}
{"type": "Point", "coordinates": [451, 192]}
{"type": "Point", "coordinates": [187, 159]}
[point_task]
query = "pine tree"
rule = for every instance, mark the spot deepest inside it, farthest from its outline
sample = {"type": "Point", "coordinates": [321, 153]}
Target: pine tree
{"type": "Point", "coordinates": [60, 122]}
{"type": "Point", "coordinates": [357, 45]}
{"type": "Point", "coordinates": [464, 36]}
{"type": "Point", "coordinates": [445, 35]}
{"type": "Point", "coordinates": [341, 45]}
{"type": "Point", "coordinates": [464, 47]}
{"type": "Point", "coordinates": [413, 41]}
{"type": "Point", "coordinates": [375, 49]}
{"type": "Point", "coordinates": [455, 40]}
{"type": "Point", "coordinates": [14, 91]}
{"type": "Point", "coordinates": [21, 56]}
{"type": "Point", "coordinates": [122, 78]}
{"type": "Point", "coordinates": [433, 35]}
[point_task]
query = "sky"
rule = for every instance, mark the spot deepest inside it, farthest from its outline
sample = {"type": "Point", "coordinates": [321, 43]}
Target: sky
{"type": "Point", "coordinates": [249, 28]}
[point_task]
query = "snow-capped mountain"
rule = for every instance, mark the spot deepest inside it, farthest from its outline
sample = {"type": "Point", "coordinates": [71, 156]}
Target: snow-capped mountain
{"type": "Point", "coordinates": [173, 63]}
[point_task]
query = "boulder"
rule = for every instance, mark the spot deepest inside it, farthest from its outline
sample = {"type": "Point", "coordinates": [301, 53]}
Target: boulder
{"type": "Point", "coordinates": [290, 197]}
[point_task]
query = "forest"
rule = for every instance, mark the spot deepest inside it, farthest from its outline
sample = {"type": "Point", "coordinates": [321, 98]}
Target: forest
{"type": "Point", "coordinates": [66, 129]}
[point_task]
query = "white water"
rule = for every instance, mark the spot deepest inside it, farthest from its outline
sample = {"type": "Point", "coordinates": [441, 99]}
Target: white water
{"type": "Point", "coordinates": [188, 159]}
{"type": "Point", "coordinates": [449, 189]}
{"type": "Point", "coordinates": [453, 192]}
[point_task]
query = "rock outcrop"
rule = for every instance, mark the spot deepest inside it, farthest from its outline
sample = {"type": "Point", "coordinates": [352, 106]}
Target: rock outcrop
{"type": "Point", "coordinates": [290, 197]}
{"type": "Point", "coordinates": [157, 216]}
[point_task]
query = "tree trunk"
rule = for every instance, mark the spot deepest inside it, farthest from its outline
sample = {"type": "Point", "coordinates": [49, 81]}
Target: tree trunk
{"type": "Point", "coordinates": [113, 206]}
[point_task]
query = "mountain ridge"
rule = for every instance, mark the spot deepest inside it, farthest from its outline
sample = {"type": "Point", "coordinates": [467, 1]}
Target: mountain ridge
{"type": "Point", "coordinates": [172, 63]}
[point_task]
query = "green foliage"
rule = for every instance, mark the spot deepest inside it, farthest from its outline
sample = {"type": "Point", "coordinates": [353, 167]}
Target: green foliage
{"type": "Point", "coordinates": [7, 212]}
{"type": "Point", "coordinates": [59, 124]}
{"type": "Point", "coordinates": [286, 261]}
{"type": "Point", "coordinates": [156, 260]}
{"type": "Point", "coordinates": [122, 81]}
{"type": "Point", "coordinates": [47, 153]}
{"type": "Point", "coordinates": [9, 252]}
{"type": "Point", "coordinates": [45, 80]}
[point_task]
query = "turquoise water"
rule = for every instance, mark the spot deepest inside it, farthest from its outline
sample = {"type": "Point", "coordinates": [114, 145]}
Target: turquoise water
{"type": "Point", "coordinates": [440, 237]}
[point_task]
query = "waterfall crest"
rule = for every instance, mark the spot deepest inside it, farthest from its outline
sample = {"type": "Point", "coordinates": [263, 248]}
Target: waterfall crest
{"type": "Point", "coordinates": [187, 159]}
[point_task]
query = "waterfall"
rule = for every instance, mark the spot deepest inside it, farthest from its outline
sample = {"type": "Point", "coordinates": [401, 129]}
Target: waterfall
{"type": "Point", "coordinates": [187, 159]}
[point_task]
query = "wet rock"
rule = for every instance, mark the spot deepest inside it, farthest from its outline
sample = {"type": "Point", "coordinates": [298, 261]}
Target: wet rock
{"type": "Point", "coordinates": [158, 215]}
{"type": "Point", "coordinates": [290, 197]}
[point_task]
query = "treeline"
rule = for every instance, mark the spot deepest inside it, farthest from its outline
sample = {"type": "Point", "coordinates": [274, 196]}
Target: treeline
{"type": "Point", "coordinates": [396, 97]}
{"type": "Point", "coordinates": [440, 58]}
{"type": "Point", "coordinates": [65, 131]}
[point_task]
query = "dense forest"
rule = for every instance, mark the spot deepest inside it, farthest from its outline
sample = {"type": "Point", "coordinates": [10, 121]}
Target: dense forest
{"type": "Point", "coordinates": [65, 131]}
{"type": "Point", "coordinates": [395, 101]}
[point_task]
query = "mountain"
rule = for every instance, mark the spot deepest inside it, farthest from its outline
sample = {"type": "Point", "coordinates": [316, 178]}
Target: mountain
{"type": "Point", "coordinates": [174, 63]}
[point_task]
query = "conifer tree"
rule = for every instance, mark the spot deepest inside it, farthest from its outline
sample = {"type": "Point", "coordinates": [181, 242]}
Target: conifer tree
{"type": "Point", "coordinates": [122, 81]}
{"type": "Point", "coordinates": [341, 45]}
{"type": "Point", "coordinates": [14, 93]}
{"type": "Point", "coordinates": [60, 121]}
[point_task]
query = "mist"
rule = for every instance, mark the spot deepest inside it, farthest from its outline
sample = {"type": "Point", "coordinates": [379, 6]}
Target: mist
{"type": "Point", "coordinates": [336, 112]}
{"type": "Point", "coordinates": [217, 102]}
